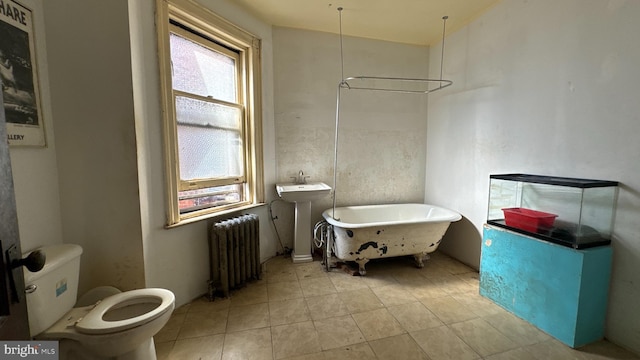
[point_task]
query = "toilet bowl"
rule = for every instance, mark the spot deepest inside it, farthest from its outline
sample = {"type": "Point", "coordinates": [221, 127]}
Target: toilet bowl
{"type": "Point", "coordinates": [120, 325]}
{"type": "Point", "coordinates": [115, 326]}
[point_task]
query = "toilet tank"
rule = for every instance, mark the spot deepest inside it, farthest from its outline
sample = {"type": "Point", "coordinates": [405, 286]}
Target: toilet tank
{"type": "Point", "coordinates": [52, 291]}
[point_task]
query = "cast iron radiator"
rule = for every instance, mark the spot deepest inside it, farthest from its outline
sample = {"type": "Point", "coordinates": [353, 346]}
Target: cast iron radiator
{"type": "Point", "coordinates": [234, 253]}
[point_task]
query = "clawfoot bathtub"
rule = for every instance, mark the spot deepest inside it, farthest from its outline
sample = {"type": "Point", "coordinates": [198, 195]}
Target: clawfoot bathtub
{"type": "Point", "coordinates": [377, 231]}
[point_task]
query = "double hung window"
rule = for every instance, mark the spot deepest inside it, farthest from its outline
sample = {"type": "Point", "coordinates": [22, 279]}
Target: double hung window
{"type": "Point", "coordinates": [210, 77]}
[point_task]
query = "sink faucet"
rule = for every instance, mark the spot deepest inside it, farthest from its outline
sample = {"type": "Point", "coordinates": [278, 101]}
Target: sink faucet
{"type": "Point", "coordinates": [301, 178]}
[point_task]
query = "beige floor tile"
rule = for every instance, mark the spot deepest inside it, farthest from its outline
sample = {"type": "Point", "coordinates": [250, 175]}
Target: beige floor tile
{"type": "Point", "coordinates": [441, 343]}
{"type": "Point", "coordinates": [414, 316]}
{"type": "Point", "coordinates": [277, 260]}
{"type": "Point", "coordinates": [425, 289]}
{"type": "Point", "coordinates": [408, 275]}
{"type": "Point", "coordinates": [603, 350]}
{"type": "Point", "coordinates": [377, 324]}
{"type": "Point", "coordinates": [434, 273]}
{"type": "Point", "coordinates": [322, 307]}
{"type": "Point", "coordinates": [448, 309]}
{"type": "Point", "coordinates": [284, 290]}
{"type": "Point", "coordinates": [164, 349]}
{"type": "Point", "coordinates": [360, 351]}
{"type": "Point", "coordinates": [478, 304]}
{"type": "Point", "coordinates": [310, 270]}
{"type": "Point", "coordinates": [518, 330]}
{"type": "Point", "coordinates": [294, 340]}
{"type": "Point", "coordinates": [289, 294]}
{"type": "Point", "coordinates": [398, 347]}
{"type": "Point", "coordinates": [277, 264]}
{"type": "Point", "coordinates": [204, 347]}
{"type": "Point", "coordinates": [360, 300]}
{"type": "Point", "coordinates": [337, 332]}
{"type": "Point", "coordinates": [470, 277]}
{"type": "Point", "coordinates": [515, 354]}
{"type": "Point", "coordinates": [314, 356]}
{"type": "Point", "coordinates": [251, 294]}
{"type": "Point", "coordinates": [202, 304]}
{"type": "Point", "coordinates": [280, 268]}
{"type": "Point", "coordinates": [394, 294]}
{"type": "Point", "coordinates": [282, 274]}
{"type": "Point", "coordinates": [454, 285]}
{"type": "Point", "coordinates": [288, 312]}
{"type": "Point", "coordinates": [182, 309]}
{"type": "Point", "coordinates": [555, 350]}
{"type": "Point", "coordinates": [345, 282]}
{"type": "Point", "coordinates": [201, 323]}
{"type": "Point", "coordinates": [248, 344]}
{"type": "Point", "coordinates": [379, 280]}
{"type": "Point", "coordinates": [176, 320]}
{"type": "Point", "coordinates": [438, 273]}
{"type": "Point", "coordinates": [482, 337]}
{"type": "Point", "coordinates": [166, 335]}
{"type": "Point", "coordinates": [248, 317]}
{"type": "Point", "coordinates": [317, 286]}
{"type": "Point", "coordinates": [454, 267]}
{"type": "Point", "coordinates": [171, 329]}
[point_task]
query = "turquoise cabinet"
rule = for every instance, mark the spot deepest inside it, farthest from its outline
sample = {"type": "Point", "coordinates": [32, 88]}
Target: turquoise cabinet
{"type": "Point", "coordinates": [560, 290]}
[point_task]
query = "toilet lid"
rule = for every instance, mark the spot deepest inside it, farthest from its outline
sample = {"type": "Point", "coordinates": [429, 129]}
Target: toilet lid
{"type": "Point", "coordinates": [95, 322]}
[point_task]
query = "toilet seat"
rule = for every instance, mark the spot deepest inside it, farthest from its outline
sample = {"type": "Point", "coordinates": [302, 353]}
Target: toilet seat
{"type": "Point", "coordinates": [94, 322]}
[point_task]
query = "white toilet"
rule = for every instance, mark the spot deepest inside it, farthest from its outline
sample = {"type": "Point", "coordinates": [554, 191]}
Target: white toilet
{"type": "Point", "coordinates": [119, 326]}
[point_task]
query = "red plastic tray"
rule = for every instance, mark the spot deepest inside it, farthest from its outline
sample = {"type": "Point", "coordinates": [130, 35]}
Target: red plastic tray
{"type": "Point", "coordinates": [528, 220]}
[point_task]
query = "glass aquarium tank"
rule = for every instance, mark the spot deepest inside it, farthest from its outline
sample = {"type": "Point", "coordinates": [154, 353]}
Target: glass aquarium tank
{"type": "Point", "coordinates": [578, 213]}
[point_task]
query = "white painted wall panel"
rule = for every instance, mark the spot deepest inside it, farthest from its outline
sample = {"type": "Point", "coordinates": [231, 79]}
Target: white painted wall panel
{"type": "Point", "coordinates": [543, 87]}
{"type": "Point", "coordinates": [382, 136]}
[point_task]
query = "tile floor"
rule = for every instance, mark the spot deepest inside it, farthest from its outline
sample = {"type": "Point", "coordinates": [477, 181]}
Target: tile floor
{"type": "Point", "coordinates": [396, 311]}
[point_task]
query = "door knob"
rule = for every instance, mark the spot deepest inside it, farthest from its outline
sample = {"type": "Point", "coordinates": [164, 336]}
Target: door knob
{"type": "Point", "coordinates": [34, 262]}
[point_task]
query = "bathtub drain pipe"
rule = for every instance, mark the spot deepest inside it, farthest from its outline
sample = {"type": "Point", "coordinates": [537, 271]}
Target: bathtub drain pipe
{"type": "Point", "coordinates": [323, 239]}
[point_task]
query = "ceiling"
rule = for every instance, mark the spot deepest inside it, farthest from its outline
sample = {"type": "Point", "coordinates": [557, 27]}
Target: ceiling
{"type": "Point", "coordinates": [405, 21]}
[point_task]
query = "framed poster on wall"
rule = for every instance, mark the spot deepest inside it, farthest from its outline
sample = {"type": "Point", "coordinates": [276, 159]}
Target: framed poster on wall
{"type": "Point", "coordinates": [19, 77]}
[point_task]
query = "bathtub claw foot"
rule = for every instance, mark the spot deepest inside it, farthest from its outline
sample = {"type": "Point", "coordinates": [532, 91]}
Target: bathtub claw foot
{"type": "Point", "coordinates": [361, 269]}
{"type": "Point", "coordinates": [420, 258]}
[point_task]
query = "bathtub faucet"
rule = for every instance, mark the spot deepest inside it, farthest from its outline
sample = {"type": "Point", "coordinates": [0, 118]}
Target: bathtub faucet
{"type": "Point", "coordinates": [301, 178]}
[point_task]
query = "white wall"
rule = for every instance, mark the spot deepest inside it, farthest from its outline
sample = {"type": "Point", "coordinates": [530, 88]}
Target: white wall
{"type": "Point", "coordinates": [103, 102]}
{"type": "Point", "coordinates": [35, 173]}
{"type": "Point", "coordinates": [382, 136]}
{"type": "Point", "coordinates": [89, 61]}
{"type": "Point", "coordinates": [544, 87]}
{"type": "Point", "coordinates": [178, 258]}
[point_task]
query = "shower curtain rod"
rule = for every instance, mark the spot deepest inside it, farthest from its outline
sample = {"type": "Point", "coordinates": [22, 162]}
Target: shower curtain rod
{"type": "Point", "coordinates": [442, 83]}
{"type": "Point", "coordinates": [344, 84]}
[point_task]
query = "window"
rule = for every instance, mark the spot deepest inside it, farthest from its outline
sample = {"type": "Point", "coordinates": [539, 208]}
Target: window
{"type": "Point", "coordinates": [210, 75]}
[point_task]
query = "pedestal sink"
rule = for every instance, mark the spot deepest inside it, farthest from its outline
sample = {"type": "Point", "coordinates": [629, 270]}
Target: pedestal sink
{"type": "Point", "coordinates": [302, 195]}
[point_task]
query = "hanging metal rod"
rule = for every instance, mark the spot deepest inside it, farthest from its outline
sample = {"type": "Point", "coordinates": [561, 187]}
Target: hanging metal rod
{"type": "Point", "coordinates": [351, 83]}
{"type": "Point", "coordinates": [341, 51]}
{"type": "Point", "coordinates": [444, 30]}
{"type": "Point", "coordinates": [354, 82]}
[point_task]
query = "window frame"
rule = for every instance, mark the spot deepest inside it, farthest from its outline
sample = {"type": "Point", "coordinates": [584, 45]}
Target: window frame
{"type": "Point", "coordinates": [185, 185]}
{"type": "Point", "coordinates": [215, 29]}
